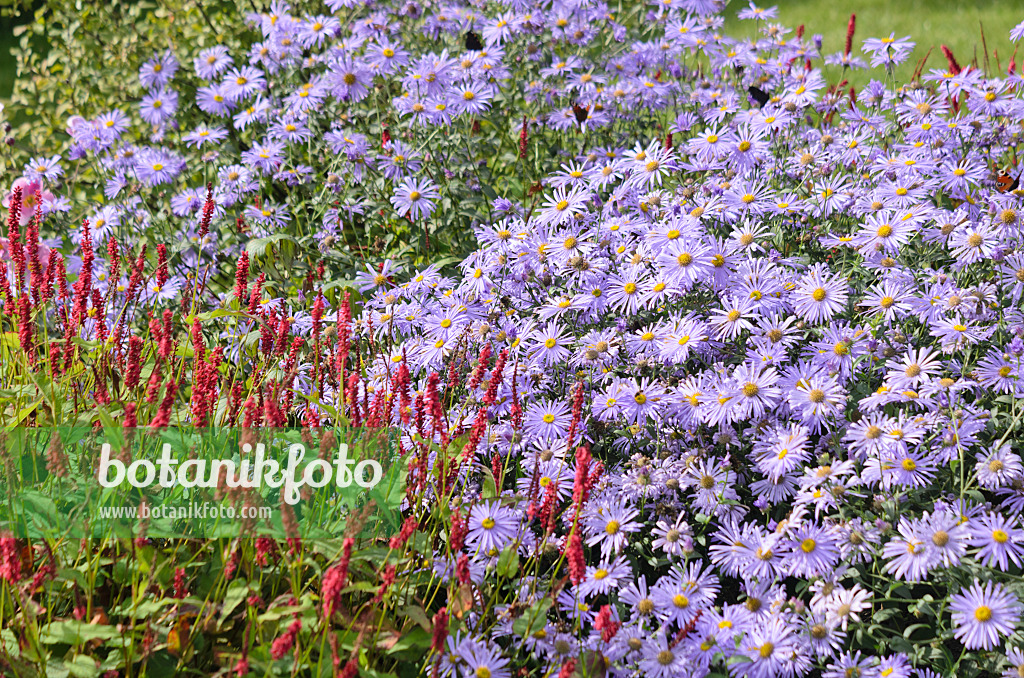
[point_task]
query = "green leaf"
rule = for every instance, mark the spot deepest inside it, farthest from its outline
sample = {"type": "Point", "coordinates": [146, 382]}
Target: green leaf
{"type": "Point", "coordinates": [237, 592]}
{"type": "Point", "coordinates": [508, 561]}
{"type": "Point", "coordinates": [418, 615]}
{"type": "Point", "coordinates": [533, 619]}
{"type": "Point", "coordinates": [75, 632]}
{"type": "Point", "coordinates": [84, 666]}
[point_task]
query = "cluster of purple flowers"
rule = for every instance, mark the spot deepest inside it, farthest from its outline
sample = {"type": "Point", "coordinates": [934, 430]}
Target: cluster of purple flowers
{"type": "Point", "coordinates": [801, 346]}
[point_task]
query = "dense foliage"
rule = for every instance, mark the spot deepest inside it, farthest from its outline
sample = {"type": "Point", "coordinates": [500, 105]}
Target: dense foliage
{"type": "Point", "coordinates": [701, 365]}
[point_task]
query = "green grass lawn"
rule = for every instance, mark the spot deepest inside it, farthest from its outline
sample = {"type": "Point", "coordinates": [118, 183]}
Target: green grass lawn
{"type": "Point", "coordinates": [930, 23]}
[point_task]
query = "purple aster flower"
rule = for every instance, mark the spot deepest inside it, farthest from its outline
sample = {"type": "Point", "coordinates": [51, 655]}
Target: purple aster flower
{"type": "Point", "coordinates": [415, 198]}
{"type": "Point", "coordinates": [158, 107]}
{"type": "Point", "coordinates": [659, 661]}
{"type": "Point", "coordinates": [483, 661]}
{"type": "Point", "coordinates": [819, 296]}
{"type": "Point", "coordinates": [604, 578]}
{"type": "Point", "coordinates": [610, 526]}
{"type": "Point", "coordinates": [214, 100]}
{"type": "Point", "coordinates": [1017, 32]}
{"type": "Point", "coordinates": [204, 135]}
{"type": "Point", "coordinates": [999, 469]}
{"type": "Point", "coordinates": [349, 80]}
{"type": "Point", "coordinates": [257, 111]}
{"type": "Point", "coordinates": [999, 540]}
{"type": "Point", "coordinates": [43, 169]}
{"type": "Point", "coordinates": [983, 614]}
{"type": "Point", "coordinates": [814, 552]}
{"type": "Point", "coordinates": [212, 61]}
{"type": "Point", "coordinates": [315, 30]}
{"type": "Point", "coordinates": [909, 555]}
{"type": "Point", "coordinates": [491, 527]}
{"type": "Point", "coordinates": [266, 156]}
{"type": "Point", "coordinates": [469, 97]}
{"type": "Point", "coordinates": [157, 167]}
{"type": "Point", "coordinates": [563, 205]}
{"type": "Point", "coordinates": [158, 71]}
{"type": "Point", "coordinates": [888, 52]}
{"type": "Point", "coordinates": [241, 83]}
{"type": "Point", "coordinates": [547, 419]}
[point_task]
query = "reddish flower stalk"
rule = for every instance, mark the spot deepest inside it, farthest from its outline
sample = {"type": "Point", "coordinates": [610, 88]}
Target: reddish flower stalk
{"type": "Point", "coordinates": [153, 386]}
{"type": "Point", "coordinates": [284, 643]}
{"type": "Point", "coordinates": [167, 335]}
{"type": "Point", "coordinates": [180, 587]}
{"type": "Point", "coordinates": [458, 531]}
{"type": "Point", "coordinates": [162, 275]}
{"type": "Point", "coordinates": [163, 415]}
{"type": "Point", "coordinates": [14, 237]}
{"type": "Point", "coordinates": [523, 140]}
{"type": "Point", "coordinates": [440, 630]}
{"type": "Point", "coordinates": [401, 388]}
{"type": "Point", "coordinates": [5, 288]}
{"type": "Point", "coordinates": [334, 580]}
{"type": "Point", "coordinates": [10, 559]}
{"type": "Point", "coordinates": [954, 67]}
{"type": "Point", "coordinates": [580, 491]}
{"type": "Point", "coordinates": [273, 415]}
{"type": "Point", "coordinates": [135, 281]}
{"type": "Point", "coordinates": [850, 28]}
{"type": "Point", "coordinates": [25, 328]}
{"type": "Point", "coordinates": [51, 269]}
{"type": "Point", "coordinates": [547, 508]}
{"type": "Point", "coordinates": [208, 207]}
{"type": "Point", "coordinates": [283, 328]}
{"type": "Point", "coordinates": [129, 421]}
{"type": "Point", "coordinates": [574, 557]}
{"type": "Point", "coordinates": [204, 388]}
{"type": "Point", "coordinates": [56, 458]}
{"type": "Point", "coordinates": [113, 258]}
{"type": "Point", "coordinates": [462, 572]}
{"type": "Point", "coordinates": [605, 624]}
{"type": "Point", "coordinates": [198, 343]}
{"type": "Point", "coordinates": [242, 277]}
{"type": "Point", "coordinates": [481, 366]}
{"type": "Point", "coordinates": [516, 410]}
{"type": "Point", "coordinates": [14, 213]}
{"type": "Point", "coordinates": [131, 378]}
{"type": "Point", "coordinates": [35, 266]}
{"type": "Point", "coordinates": [82, 287]}
{"type": "Point", "coordinates": [577, 414]}
{"type": "Point", "coordinates": [388, 577]}
{"type": "Point", "coordinates": [317, 315]}
{"type": "Point", "coordinates": [495, 381]}
{"type": "Point", "coordinates": [496, 469]}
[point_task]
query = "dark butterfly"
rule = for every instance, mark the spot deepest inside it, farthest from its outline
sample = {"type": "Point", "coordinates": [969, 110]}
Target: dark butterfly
{"type": "Point", "coordinates": [473, 43]}
{"type": "Point", "coordinates": [1005, 183]}
{"type": "Point", "coordinates": [759, 95]}
{"type": "Point", "coordinates": [581, 113]}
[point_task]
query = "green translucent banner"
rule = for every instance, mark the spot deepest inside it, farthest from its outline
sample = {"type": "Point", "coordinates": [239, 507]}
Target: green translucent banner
{"type": "Point", "coordinates": [228, 482]}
